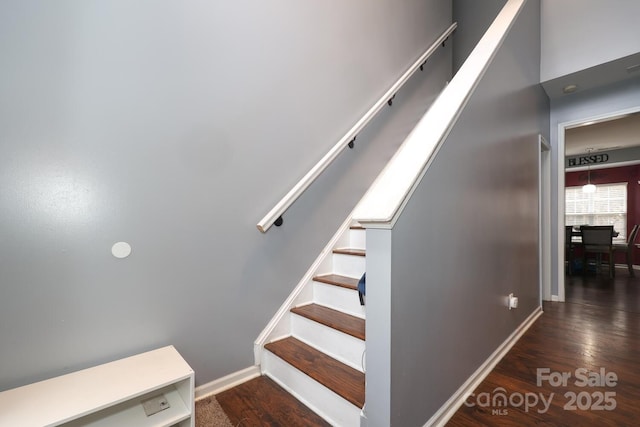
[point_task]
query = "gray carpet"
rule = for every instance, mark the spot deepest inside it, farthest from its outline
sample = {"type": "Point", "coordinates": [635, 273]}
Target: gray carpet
{"type": "Point", "coordinates": [209, 413]}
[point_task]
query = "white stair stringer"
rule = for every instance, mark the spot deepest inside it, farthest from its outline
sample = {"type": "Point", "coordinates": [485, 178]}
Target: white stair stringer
{"type": "Point", "coordinates": [280, 324]}
{"type": "Point", "coordinates": [317, 397]}
{"type": "Point", "coordinates": [332, 342]}
{"type": "Point", "coordinates": [340, 346]}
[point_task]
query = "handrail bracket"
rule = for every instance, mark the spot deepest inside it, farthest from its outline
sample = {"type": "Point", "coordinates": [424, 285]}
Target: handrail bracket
{"type": "Point", "coordinates": [390, 101]}
{"type": "Point", "coordinates": [274, 217]}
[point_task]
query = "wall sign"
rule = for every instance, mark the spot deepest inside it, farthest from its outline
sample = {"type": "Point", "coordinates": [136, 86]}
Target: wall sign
{"type": "Point", "coordinates": [587, 160]}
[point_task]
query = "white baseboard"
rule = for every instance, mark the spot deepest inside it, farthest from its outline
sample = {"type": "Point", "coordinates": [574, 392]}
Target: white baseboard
{"type": "Point", "coordinates": [450, 407]}
{"type": "Point", "coordinates": [227, 382]}
{"type": "Point", "coordinates": [555, 298]}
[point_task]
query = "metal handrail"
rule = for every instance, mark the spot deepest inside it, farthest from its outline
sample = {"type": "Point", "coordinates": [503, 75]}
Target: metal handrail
{"type": "Point", "coordinates": [275, 215]}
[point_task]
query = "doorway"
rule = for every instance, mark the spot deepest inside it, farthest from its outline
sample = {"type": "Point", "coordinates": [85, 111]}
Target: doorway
{"type": "Point", "coordinates": [561, 145]}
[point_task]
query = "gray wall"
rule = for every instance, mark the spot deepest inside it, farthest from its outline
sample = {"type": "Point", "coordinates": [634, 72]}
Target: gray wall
{"type": "Point", "coordinates": [175, 126]}
{"type": "Point", "coordinates": [473, 18]}
{"type": "Point", "coordinates": [578, 107]}
{"type": "Point", "coordinates": [469, 235]}
{"type": "Point", "coordinates": [579, 34]}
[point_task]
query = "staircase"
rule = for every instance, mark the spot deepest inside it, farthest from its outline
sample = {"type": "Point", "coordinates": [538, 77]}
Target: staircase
{"type": "Point", "coordinates": [321, 358]}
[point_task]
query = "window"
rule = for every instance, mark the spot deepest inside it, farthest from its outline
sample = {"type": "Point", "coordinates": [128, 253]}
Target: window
{"type": "Point", "coordinates": [607, 206]}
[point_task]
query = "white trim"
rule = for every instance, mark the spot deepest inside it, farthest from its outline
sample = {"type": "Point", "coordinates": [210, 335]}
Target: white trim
{"type": "Point", "coordinates": [306, 280]}
{"type": "Point", "coordinates": [544, 220]}
{"type": "Point", "coordinates": [544, 144]}
{"type": "Point", "coordinates": [555, 298]}
{"type": "Point", "coordinates": [561, 129]}
{"type": "Point", "coordinates": [390, 192]}
{"type": "Point", "coordinates": [279, 209]}
{"type": "Point", "coordinates": [227, 382]}
{"type": "Point", "coordinates": [560, 259]}
{"type": "Point", "coordinates": [450, 407]}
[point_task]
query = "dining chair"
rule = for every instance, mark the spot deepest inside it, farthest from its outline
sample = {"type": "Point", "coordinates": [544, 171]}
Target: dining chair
{"type": "Point", "coordinates": [568, 248]}
{"type": "Point", "coordinates": [598, 239]}
{"type": "Point", "coordinates": [627, 248]}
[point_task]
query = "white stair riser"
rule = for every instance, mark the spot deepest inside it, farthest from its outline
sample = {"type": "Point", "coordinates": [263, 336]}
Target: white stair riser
{"type": "Point", "coordinates": [319, 398]}
{"type": "Point", "coordinates": [345, 348]}
{"type": "Point", "coordinates": [357, 239]}
{"type": "Point", "coordinates": [341, 299]}
{"type": "Point", "coordinates": [349, 265]}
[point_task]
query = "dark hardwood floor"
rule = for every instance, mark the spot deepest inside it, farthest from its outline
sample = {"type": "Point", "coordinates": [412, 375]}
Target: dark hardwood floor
{"type": "Point", "coordinates": [262, 402]}
{"type": "Point", "coordinates": [597, 331]}
{"type": "Point", "coordinates": [593, 339]}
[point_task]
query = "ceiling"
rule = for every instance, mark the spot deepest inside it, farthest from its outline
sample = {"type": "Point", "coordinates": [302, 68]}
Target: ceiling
{"type": "Point", "coordinates": [610, 134]}
{"type": "Point", "coordinates": [605, 135]}
{"type": "Point", "coordinates": [624, 68]}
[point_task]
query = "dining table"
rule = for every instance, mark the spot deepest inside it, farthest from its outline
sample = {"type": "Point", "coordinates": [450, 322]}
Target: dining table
{"type": "Point", "coordinates": [576, 234]}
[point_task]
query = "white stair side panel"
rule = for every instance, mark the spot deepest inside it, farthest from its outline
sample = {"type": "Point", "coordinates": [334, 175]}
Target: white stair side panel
{"type": "Point", "coordinates": [349, 265]}
{"type": "Point", "coordinates": [344, 240]}
{"type": "Point", "coordinates": [317, 397]}
{"type": "Point", "coordinates": [305, 295]}
{"type": "Point", "coordinates": [342, 347]}
{"type": "Point", "coordinates": [302, 293]}
{"type": "Point", "coordinates": [282, 328]}
{"type": "Point", "coordinates": [341, 299]}
{"type": "Point", "coordinates": [325, 267]}
{"type": "Point", "coordinates": [357, 239]}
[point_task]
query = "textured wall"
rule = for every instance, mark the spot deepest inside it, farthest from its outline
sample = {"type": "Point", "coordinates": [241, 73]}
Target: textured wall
{"type": "Point", "coordinates": [175, 126]}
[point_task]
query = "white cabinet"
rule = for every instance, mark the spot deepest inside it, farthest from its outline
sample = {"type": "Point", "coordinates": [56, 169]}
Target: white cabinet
{"type": "Point", "coordinates": [107, 395]}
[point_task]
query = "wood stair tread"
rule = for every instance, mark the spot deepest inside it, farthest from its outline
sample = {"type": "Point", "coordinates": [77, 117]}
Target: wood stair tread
{"type": "Point", "coordinates": [335, 319]}
{"type": "Point", "coordinates": [344, 380]}
{"type": "Point", "coordinates": [338, 280]}
{"type": "Point", "coordinates": [350, 251]}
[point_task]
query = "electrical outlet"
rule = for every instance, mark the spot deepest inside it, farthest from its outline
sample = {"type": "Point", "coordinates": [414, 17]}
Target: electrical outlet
{"type": "Point", "coordinates": [155, 404]}
{"type": "Point", "coordinates": [512, 301]}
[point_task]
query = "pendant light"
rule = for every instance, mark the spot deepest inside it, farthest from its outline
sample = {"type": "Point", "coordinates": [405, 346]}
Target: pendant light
{"type": "Point", "coordinates": [589, 187]}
